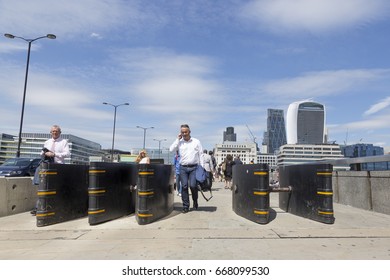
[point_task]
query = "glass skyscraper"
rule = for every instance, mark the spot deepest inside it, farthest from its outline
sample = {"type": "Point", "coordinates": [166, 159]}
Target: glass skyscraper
{"type": "Point", "coordinates": [275, 136]}
{"type": "Point", "coordinates": [229, 135]}
{"type": "Point", "coordinates": [306, 123]}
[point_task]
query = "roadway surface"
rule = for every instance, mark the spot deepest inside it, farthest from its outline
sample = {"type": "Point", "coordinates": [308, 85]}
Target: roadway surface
{"type": "Point", "coordinates": [212, 232]}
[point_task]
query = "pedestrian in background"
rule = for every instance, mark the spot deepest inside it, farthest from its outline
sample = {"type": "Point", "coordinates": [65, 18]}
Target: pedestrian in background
{"type": "Point", "coordinates": [176, 163]}
{"type": "Point", "coordinates": [209, 167]}
{"type": "Point", "coordinates": [142, 158]}
{"type": "Point", "coordinates": [229, 171]}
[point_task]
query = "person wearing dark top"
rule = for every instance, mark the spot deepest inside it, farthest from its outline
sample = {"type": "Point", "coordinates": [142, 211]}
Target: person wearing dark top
{"type": "Point", "coordinates": [229, 171]}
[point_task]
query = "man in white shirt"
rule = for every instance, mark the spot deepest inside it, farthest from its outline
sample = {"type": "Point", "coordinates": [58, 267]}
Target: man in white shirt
{"type": "Point", "coordinates": [209, 167]}
{"type": "Point", "coordinates": [56, 150]}
{"type": "Point", "coordinates": [56, 147]}
{"type": "Point", "coordinates": [190, 150]}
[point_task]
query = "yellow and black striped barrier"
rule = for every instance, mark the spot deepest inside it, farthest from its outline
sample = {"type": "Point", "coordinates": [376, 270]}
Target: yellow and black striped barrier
{"type": "Point", "coordinates": [111, 191]}
{"type": "Point", "coordinates": [312, 195]}
{"type": "Point", "coordinates": [251, 192]}
{"type": "Point", "coordinates": [155, 194]}
{"type": "Point", "coordinates": [62, 193]}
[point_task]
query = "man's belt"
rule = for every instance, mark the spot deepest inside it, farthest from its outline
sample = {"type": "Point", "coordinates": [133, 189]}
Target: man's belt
{"type": "Point", "coordinates": [188, 165]}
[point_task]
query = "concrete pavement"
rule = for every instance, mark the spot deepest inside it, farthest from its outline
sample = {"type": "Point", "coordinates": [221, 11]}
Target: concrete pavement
{"type": "Point", "coordinates": [214, 231]}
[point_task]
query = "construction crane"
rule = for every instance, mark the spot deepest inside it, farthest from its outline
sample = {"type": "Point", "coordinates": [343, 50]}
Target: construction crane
{"type": "Point", "coordinates": [253, 138]}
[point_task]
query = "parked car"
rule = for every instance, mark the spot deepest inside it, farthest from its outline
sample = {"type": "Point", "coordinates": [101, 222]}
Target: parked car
{"type": "Point", "coordinates": [19, 167]}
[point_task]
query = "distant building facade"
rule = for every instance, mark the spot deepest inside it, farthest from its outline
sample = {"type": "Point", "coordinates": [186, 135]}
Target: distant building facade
{"type": "Point", "coordinates": [305, 123]}
{"type": "Point", "coordinates": [365, 150]}
{"type": "Point", "coordinates": [229, 135]}
{"type": "Point", "coordinates": [298, 154]}
{"type": "Point", "coordinates": [246, 151]}
{"type": "Point", "coordinates": [31, 146]}
{"type": "Point", "coordinates": [275, 136]}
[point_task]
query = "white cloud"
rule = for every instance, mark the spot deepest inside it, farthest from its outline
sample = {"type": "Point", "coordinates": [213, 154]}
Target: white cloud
{"type": "Point", "coordinates": [169, 83]}
{"type": "Point", "coordinates": [324, 83]}
{"type": "Point", "coordinates": [65, 19]}
{"type": "Point", "coordinates": [314, 15]}
{"type": "Point", "coordinates": [96, 35]}
{"type": "Point", "coordinates": [384, 103]}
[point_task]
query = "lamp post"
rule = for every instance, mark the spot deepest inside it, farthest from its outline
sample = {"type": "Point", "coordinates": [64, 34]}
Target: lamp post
{"type": "Point", "coordinates": [145, 128]}
{"type": "Point", "coordinates": [113, 130]}
{"type": "Point", "coordinates": [29, 41]}
{"type": "Point", "coordinates": [159, 145]}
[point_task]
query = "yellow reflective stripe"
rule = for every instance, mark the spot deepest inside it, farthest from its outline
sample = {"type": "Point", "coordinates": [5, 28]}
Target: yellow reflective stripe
{"type": "Point", "coordinates": [96, 171]}
{"type": "Point", "coordinates": [146, 173]}
{"type": "Point", "coordinates": [45, 214]}
{"type": "Point", "coordinates": [96, 191]}
{"type": "Point", "coordinates": [96, 211]}
{"type": "Point", "coordinates": [260, 212]}
{"type": "Point", "coordinates": [145, 215]}
{"type": "Point", "coordinates": [261, 173]}
{"type": "Point", "coordinates": [325, 213]}
{"type": "Point", "coordinates": [46, 192]}
{"type": "Point", "coordinates": [48, 172]}
{"type": "Point", "coordinates": [260, 193]}
{"type": "Point", "coordinates": [324, 173]}
{"type": "Point", "coordinates": [325, 193]}
{"type": "Point", "coordinates": [145, 193]}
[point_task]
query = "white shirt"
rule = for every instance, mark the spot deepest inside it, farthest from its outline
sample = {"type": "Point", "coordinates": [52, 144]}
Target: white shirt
{"type": "Point", "coordinates": [190, 151]}
{"type": "Point", "coordinates": [143, 160]}
{"type": "Point", "coordinates": [61, 149]}
{"type": "Point", "coordinates": [208, 163]}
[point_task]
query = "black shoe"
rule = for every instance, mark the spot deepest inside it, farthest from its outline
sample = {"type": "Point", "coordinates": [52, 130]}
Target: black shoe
{"type": "Point", "coordinates": [33, 212]}
{"type": "Point", "coordinates": [195, 205]}
{"type": "Point", "coordinates": [185, 210]}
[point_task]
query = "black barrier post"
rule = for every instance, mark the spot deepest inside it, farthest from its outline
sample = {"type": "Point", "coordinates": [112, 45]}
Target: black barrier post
{"type": "Point", "coordinates": [111, 191]}
{"type": "Point", "coordinates": [251, 192]}
{"type": "Point", "coordinates": [311, 195]}
{"type": "Point", "coordinates": [325, 195]}
{"type": "Point", "coordinates": [155, 194]}
{"type": "Point", "coordinates": [62, 193]}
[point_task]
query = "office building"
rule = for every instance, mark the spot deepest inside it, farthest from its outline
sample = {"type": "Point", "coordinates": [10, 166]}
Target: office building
{"type": "Point", "coordinates": [305, 123]}
{"type": "Point", "coordinates": [246, 151]}
{"type": "Point", "coordinates": [365, 150]}
{"type": "Point", "coordinates": [275, 136]}
{"type": "Point", "coordinates": [32, 143]}
{"type": "Point", "coordinates": [298, 154]}
{"type": "Point", "coordinates": [229, 135]}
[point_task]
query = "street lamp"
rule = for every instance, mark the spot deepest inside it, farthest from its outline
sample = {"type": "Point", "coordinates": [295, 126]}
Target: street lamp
{"type": "Point", "coordinates": [29, 41]}
{"type": "Point", "coordinates": [113, 130]}
{"type": "Point", "coordinates": [144, 128]}
{"type": "Point", "coordinates": [159, 145]}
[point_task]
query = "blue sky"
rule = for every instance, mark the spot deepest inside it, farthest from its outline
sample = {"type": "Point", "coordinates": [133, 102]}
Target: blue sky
{"type": "Point", "coordinates": [211, 64]}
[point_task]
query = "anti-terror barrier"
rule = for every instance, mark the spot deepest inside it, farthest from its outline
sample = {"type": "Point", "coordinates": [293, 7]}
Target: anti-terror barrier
{"type": "Point", "coordinates": [62, 193]}
{"type": "Point", "coordinates": [104, 191]}
{"type": "Point", "coordinates": [111, 191]}
{"type": "Point", "coordinates": [305, 190]}
{"type": "Point", "coordinates": [251, 192]}
{"type": "Point", "coordinates": [312, 194]}
{"type": "Point", "coordinates": [155, 194]}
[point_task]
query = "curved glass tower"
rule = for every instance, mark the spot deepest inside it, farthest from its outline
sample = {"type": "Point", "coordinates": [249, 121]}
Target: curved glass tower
{"type": "Point", "coordinates": [305, 123]}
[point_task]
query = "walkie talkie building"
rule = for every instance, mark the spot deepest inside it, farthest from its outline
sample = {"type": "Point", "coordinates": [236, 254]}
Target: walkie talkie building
{"type": "Point", "coordinates": [305, 123]}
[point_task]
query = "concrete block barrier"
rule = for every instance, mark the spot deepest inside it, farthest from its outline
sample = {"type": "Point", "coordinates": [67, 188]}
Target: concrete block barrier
{"type": "Point", "coordinates": [17, 195]}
